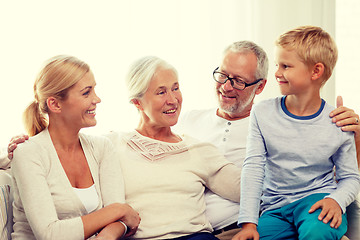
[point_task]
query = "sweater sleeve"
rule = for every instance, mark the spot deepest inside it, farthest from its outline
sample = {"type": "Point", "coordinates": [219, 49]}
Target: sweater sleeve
{"type": "Point", "coordinates": [347, 173]}
{"type": "Point", "coordinates": [29, 174]}
{"type": "Point", "coordinates": [5, 162]}
{"type": "Point", "coordinates": [221, 177]}
{"type": "Point", "coordinates": [111, 178]}
{"type": "Point", "coordinates": [253, 173]}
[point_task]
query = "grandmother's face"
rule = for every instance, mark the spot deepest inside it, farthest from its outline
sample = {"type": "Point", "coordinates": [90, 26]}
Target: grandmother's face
{"type": "Point", "coordinates": [161, 104]}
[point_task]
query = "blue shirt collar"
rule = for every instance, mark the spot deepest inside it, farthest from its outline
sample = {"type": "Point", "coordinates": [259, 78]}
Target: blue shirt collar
{"type": "Point", "coordinates": [283, 107]}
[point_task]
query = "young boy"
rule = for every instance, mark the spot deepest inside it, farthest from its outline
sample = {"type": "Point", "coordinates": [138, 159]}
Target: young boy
{"type": "Point", "coordinates": [293, 147]}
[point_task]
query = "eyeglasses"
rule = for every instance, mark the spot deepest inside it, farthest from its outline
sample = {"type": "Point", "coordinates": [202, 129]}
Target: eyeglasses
{"type": "Point", "coordinates": [236, 82]}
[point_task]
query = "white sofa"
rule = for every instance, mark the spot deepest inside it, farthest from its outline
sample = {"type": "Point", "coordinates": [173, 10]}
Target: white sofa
{"type": "Point", "coordinates": [6, 220]}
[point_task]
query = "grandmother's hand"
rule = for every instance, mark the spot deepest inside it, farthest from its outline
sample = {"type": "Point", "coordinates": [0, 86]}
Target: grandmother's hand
{"type": "Point", "coordinates": [131, 219]}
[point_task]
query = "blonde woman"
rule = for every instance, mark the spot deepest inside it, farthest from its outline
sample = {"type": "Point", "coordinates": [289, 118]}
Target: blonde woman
{"type": "Point", "coordinates": [67, 185]}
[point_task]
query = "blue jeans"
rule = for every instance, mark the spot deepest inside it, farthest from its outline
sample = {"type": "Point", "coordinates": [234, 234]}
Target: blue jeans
{"type": "Point", "coordinates": [197, 236]}
{"type": "Point", "coordinates": [294, 222]}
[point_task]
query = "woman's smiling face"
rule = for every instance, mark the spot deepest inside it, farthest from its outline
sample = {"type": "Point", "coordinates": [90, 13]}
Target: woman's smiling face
{"type": "Point", "coordinates": [161, 103]}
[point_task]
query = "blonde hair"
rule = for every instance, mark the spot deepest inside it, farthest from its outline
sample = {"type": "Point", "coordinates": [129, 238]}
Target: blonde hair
{"type": "Point", "coordinates": [313, 45]}
{"type": "Point", "coordinates": [141, 73]}
{"type": "Point", "coordinates": [55, 79]}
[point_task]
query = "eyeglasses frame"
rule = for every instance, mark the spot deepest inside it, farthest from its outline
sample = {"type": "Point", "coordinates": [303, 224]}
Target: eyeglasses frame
{"type": "Point", "coordinates": [233, 79]}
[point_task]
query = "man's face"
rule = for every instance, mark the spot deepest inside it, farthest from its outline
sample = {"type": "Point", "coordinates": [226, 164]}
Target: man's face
{"type": "Point", "coordinates": [234, 103]}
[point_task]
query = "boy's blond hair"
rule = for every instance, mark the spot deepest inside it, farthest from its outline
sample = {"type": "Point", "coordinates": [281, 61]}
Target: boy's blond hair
{"type": "Point", "coordinates": [313, 45]}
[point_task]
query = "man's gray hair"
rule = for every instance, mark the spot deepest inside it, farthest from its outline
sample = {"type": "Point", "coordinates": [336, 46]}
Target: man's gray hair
{"type": "Point", "coordinates": [262, 59]}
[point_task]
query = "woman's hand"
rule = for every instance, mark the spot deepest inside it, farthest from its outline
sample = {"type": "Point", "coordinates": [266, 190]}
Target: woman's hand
{"type": "Point", "coordinates": [131, 218]}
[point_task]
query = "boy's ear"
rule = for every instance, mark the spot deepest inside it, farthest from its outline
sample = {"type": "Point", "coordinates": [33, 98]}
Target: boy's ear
{"type": "Point", "coordinates": [318, 71]}
{"type": "Point", "coordinates": [137, 103]}
{"type": "Point", "coordinates": [53, 104]}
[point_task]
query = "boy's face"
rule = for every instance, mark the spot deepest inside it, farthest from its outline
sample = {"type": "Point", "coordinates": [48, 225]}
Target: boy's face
{"type": "Point", "coordinates": [292, 75]}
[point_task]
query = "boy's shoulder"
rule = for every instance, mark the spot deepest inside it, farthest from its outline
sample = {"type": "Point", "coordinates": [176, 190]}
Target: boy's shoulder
{"type": "Point", "coordinates": [268, 103]}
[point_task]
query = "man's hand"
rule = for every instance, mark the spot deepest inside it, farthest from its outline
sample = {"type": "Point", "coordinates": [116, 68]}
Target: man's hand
{"type": "Point", "coordinates": [330, 210]}
{"type": "Point", "coordinates": [345, 118]}
{"type": "Point", "coordinates": [248, 231]}
{"type": "Point", "coordinates": [14, 142]}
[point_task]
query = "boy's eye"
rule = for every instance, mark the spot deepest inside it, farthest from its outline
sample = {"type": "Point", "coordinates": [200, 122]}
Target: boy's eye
{"type": "Point", "coordinates": [161, 92]}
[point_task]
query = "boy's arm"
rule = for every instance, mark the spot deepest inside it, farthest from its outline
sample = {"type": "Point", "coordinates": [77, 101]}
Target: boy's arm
{"type": "Point", "coordinates": [347, 173]}
{"type": "Point", "coordinates": [349, 121]}
{"type": "Point", "coordinates": [253, 173]}
{"type": "Point", "coordinates": [248, 231]}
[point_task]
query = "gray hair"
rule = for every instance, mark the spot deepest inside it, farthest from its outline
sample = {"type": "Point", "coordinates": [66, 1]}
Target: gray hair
{"type": "Point", "coordinates": [141, 73]}
{"type": "Point", "coordinates": [248, 46]}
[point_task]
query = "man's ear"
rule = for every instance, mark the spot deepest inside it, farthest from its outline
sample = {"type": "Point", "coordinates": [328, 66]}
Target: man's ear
{"type": "Point", "coordinates": [137, 104]}
{"type": "Point", "coordinates": [53, 104]}
{"type": "Point", "coordinates": [261, 86]}
{"type": "Point", "coordinates": [317, 71]}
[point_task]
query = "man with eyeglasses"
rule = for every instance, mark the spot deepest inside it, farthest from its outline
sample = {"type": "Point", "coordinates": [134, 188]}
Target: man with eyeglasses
{"type": "Point", "coordinates": [241, 76]}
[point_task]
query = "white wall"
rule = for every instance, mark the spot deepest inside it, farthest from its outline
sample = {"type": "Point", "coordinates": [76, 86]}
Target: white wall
{"type": "Point", "coordinates": [110, 34]}
{"type": "Point", "coordinates": [348, 39]}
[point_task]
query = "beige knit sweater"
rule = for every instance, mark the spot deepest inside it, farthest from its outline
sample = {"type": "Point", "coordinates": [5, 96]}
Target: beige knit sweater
{"type": "Point", "coordinates": [165, 183]}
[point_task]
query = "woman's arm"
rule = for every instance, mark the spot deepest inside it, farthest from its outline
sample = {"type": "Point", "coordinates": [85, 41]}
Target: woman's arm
{"type": "Point", "coordinates": [112, 184]}
{"type": "Point", "coordinates": [112, 231]}
{"type": "Point", "coordinates": [105, 218]}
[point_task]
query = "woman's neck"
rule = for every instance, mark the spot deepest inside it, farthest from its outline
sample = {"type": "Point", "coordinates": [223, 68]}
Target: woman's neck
{"type": "Point", "coordinates": [64, 138]}
{"type": "Point", "coordinates": [158, 133]}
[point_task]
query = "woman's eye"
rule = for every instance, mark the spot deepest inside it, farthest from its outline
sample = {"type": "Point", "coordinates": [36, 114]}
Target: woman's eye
{"type": "Point", "coordinates": [86, 93]}
{"type": "Point", "coordinates": [161, 93]}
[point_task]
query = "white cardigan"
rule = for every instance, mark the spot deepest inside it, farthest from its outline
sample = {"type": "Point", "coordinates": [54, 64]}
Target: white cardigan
{"type": "Point", "coordinates": [45, 205]}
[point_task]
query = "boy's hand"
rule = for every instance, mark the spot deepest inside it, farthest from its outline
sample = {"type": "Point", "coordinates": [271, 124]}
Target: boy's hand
{"type": "Point", "coordinates": [330, 210]}
{"type": "Point", "coordinates": [248, 231]}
